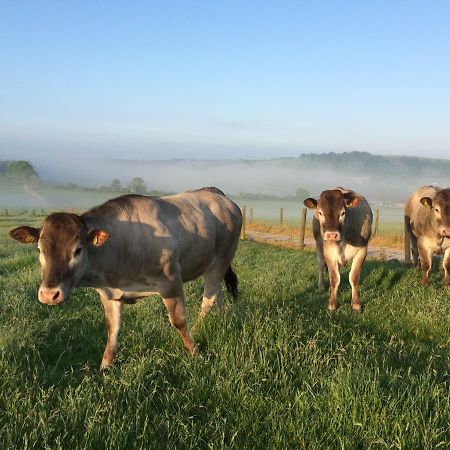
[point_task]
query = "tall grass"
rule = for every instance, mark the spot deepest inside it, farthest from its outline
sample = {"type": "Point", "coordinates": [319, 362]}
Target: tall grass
{"type": "Point", "coordinates": [275, 370]}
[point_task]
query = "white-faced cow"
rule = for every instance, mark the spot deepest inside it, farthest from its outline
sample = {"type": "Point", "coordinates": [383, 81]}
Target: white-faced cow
{"type": "Point", "coordinates": [427, 219]}
{"type": "Point", "coordinates": [134, 246]}
{"type": "Point", "coordinates": [342, 227]}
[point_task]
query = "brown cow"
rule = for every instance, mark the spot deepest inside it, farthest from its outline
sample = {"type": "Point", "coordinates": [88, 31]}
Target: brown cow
{"type": "Point", "coordinates": [427, 219]}
{"type": "Point", "coordinates": [134, 246]}
{"type": "Point", "coordinates": [342, 227]}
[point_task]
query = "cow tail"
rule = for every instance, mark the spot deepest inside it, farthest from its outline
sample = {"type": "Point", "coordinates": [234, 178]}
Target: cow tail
{"type": "Point", "coordinates": [231, 280]}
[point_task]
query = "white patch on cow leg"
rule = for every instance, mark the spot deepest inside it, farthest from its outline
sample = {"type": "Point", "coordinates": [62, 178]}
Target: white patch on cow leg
{"type": "Point", "coordinates": [212, 293]}
{"type": "Point", "coordinates": [354, 276]}
{"type": "Point", "coordinates": [113, 313]}
{"type": "Point", "coordinates": [177, 316]}
{"type": "Point", "coordinates": [446, 264]}
{"type": "Point", "coordinates": [209, 301]}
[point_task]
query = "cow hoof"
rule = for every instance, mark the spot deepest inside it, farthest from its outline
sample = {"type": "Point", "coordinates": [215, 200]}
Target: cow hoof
{"type": "Point", "coordinates": [356, 309]}
{"type": "Point", "coordinates": [447, 286]}
{"type": "Point", "coordinates": [105, 365]}
{"type": "Point", "coordinates": [332, 309]}
{"type": "Point", "coordinates": [192, 351]}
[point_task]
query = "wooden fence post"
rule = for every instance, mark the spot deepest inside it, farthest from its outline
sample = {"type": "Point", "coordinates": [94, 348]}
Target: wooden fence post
{"type": "Point", "coordinates": [251, 215]}
{"type": "Point", "coordinates": [302, 228]}
{"type": "Point", "coordinates": [244, 213]}
{"type": "Point", "coordinates": [407, 243]}
{"type": "Point", "coordinates": [377, 216]}
{"type": "Point", "coordinates": [281, 216]}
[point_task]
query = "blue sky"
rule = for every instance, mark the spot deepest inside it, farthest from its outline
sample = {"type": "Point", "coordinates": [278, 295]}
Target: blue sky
{"type": "Point", "coordinates": [224, 79]}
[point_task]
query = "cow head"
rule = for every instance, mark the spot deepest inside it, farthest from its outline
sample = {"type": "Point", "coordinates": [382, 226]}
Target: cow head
{"type": "Point", "coordinates": [63, 241]}
{"type": "Point", "coordinates": [330, 211]}
{"type": "Point", "coordinates": [439, 211]}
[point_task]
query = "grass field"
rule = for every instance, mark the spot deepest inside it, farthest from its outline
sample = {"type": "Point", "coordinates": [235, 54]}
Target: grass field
{"type": "Point", "coordinates": [275, 370]}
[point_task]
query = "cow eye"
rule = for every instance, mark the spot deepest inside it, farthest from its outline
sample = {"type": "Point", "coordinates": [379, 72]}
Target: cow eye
{"type": "Point", "coordinates": [437, 210]}
{"type": "Point", "coordinates": [320, 213]}
{"type": "Point", "coordinates": [342, 213]}
{"type": "Point", "coordinates": [77, 252]}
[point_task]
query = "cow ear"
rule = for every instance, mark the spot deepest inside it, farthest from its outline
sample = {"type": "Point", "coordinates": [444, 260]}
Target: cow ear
{"type": "Point", "coordinates": [310, 203]}
{"type": "Point", "coordinates": [352, 201]}
{"type": "Point", "coordinates": [426, 201]}
{"type": "Point", "coordinates": [98, 237]}
{"type": "Point", "coordinates": [25, 235]}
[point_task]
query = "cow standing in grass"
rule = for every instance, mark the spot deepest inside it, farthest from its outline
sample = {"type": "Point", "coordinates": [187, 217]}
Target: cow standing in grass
{"type": "Point", "coordinates": [427, 219]}
{"type": "Point", "coordinates": [342, 227]}
{"type": "Point", "coordinates": [134, 246]}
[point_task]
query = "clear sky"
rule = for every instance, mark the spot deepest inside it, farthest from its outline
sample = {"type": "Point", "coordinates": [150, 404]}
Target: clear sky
{"type": "Point", "coordinates": [193, 79]}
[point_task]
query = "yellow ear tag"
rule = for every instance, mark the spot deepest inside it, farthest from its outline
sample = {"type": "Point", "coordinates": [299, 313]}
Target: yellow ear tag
{"type": "Point", "coordinates": [29, 238]}
{"type": "Point", "coordinates": [95, 241]}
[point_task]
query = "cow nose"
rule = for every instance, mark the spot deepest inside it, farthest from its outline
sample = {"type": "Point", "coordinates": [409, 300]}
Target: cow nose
{"type": "Point", "coordinates": [332, 236]}
{"type": "Point", "coordinates": [445, 232]}
{"type": "Point", "coordinates": [50, 296]}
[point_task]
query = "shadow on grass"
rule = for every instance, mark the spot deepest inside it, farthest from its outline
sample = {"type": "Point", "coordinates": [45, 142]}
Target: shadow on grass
{"type": "Point", "coordinates": [417, 355]}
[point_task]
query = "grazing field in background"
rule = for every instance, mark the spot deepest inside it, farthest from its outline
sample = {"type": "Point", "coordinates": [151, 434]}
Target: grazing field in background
{"type": "Point", "coordinates": [275, 370]}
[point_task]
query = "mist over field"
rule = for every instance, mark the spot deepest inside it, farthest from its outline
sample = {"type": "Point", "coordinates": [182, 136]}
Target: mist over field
{"type": "Point", "coordinates": [387, 179]}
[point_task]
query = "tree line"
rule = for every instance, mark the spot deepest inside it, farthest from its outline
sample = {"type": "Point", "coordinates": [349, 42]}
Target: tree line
{"type": "Point", "coordinates": [136, 186]}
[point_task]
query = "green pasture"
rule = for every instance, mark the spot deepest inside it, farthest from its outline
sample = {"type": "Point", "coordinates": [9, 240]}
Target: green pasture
{"type": "Point", "coordinates": [275, 371]}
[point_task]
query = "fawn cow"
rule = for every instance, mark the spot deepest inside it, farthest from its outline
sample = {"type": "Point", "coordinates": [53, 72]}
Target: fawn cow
{"type": "Point", "coordinates": [427, 219]}
{"type": "Point", "coordinates": [342, 227]}
{"type": "Point", "coordinates": [134, 246]}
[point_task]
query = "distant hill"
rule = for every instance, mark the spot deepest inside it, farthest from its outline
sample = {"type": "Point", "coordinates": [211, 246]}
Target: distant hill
{"type": "Point", "coordinates": [18, 172]}
{"type": "Point", "coordinates": [364, 162]}
{"type": "Point", "coordinates": [387, 179]}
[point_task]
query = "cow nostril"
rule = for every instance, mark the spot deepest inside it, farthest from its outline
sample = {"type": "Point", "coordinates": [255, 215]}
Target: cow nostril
{"type": "Point", "coordinates": [55, 297]}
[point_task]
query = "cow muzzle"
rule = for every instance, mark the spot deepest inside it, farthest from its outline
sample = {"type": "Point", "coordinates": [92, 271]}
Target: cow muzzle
{"type": "Point", "coordinates": [444, 231]}
{"type": "Point", "coordinates": [51, 296]}
{"type": "Point", "coordinates": [332, 236]}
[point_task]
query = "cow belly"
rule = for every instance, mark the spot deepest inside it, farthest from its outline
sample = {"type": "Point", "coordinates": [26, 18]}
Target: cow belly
{"type": "Point", "coordinates": [126, 294]}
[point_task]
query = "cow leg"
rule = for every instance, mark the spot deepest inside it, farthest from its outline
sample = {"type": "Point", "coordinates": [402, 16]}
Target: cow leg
{"type": "Point", "coordinates": [414, 250]}
{"type": "Point", "coordinates": [355, 273]}
{"type": "Point", "coordinates": [321, 262]}
{"type": "Point", "coordinates": [113, 313]}
{"type": "Point", "coordinates": [413, 240]}
{"type": "Point", "coordinates": [426, 259]}
{"type": "Point", "coordinates": [212, 293]}
{"type": "Point", "coordinates": [335, 279]}
{"type": "Point", "coordinates": [177, 316]}
{"type": "Point", "coordinates": [446, 264]}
